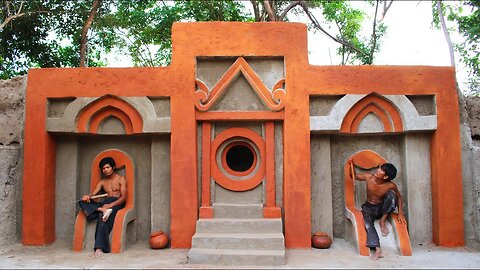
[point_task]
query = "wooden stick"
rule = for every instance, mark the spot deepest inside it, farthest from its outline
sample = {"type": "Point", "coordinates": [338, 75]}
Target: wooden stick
{"type": "Point", "coordinates": [99, 196]}
{"type": "Point", "coordinates": [96, 196]}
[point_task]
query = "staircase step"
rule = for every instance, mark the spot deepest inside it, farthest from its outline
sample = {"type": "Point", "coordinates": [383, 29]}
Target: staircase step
{"type": "Point", "coordinates": [232, 225]}
{"type": "Point", "coordinates": [232, 210]}
{"type": "Point", "coordinates": [236, 256]}
{"type": "Point", "coordinates": [273, 241]}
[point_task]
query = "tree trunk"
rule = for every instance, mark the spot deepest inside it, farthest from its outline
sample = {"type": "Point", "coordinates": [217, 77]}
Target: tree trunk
{"type": "Point", "coordinates": [255, 10]}
{"type": "Point", "coordinates": [268, 8]}
{"type": "Point", "coordinates": [461, 99]}
{"type": "Point", "coordinates": [445, 32]}
{"type": "Point", "coordinates": [83, 42]}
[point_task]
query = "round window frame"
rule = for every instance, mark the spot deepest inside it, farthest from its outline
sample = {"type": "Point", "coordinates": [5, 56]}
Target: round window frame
{"type": "Point", "coordinates": [232, 180]}
{"type": "Point", "coordinates": [227, 168]}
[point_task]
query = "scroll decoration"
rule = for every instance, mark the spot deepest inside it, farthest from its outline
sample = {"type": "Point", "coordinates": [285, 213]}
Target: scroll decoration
{"type": "Point", "coordinates": [272, 99]}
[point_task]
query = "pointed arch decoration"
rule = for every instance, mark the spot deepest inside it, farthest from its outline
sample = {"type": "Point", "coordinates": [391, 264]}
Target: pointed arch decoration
{"type": "Point", "coordinates": [273, 100]}
{"type": "Point", "coordinates": [106, 113]}
{"type": "Point", "coordinates": [90, 118]}
{"type": "Point", "coordinates": [383, 109]}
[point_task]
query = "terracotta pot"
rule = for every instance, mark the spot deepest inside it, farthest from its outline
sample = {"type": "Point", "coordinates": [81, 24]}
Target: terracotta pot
{"type": "Point", "coordinates": [321, 240]}
{"type": "Point", "coordinates": [158, 240]}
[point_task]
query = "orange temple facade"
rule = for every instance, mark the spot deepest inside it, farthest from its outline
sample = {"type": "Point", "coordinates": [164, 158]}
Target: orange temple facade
{"type": "Point", "coordinates": [241, 117]}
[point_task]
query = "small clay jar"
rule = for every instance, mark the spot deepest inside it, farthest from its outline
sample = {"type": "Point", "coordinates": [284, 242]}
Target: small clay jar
{"type": "Point", "coordinates": [321, 240]}
{"type": "Point", "coordinates": [158, 240]}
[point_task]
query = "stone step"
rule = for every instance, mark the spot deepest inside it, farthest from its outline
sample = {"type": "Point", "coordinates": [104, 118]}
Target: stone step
{"type": "Point", "coordinates": [236, 256]}
{"type": "Point", "coordinates": [263, 241]}
{"type": "Point", "coordinates": [232, 210]}
{"type": "Point", "coordinates": [232, 225]}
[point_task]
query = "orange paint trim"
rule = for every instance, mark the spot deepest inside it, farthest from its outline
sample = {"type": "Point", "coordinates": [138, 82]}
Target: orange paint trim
{"type": "Point", "coordinates": [270, 210]}
{"type": "Point", "coordinates": [239, 116]}
{"type": "Point", "coordinates": [207, 98]}
{"type": "Point", "coordinates": [99, 116]}
{"type": "Point", "coordinates": [386, 111]}
{"type": "Point", "coordinates": [371, 108]}
{"type": "Point", "coordinates": [270, 164]}
{"type": "Point", "coordinates": [231, 184]}
{"type": "Point", "coordinates": [206, 211]}
{"type": "Point", "coordinates": [447, 185]}
{"type": "Point", "coordinates": [85, 116]}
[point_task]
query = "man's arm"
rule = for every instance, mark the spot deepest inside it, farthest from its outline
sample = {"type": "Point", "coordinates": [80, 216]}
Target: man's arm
{"type": "Point", "coordinates": [360, 177]}
{"type": "Point", "coordinates": [123, 194]}
{"type": "Point", "coordinates": [94, 192]}
{"type": "Point", "coordinates": [401, 216]}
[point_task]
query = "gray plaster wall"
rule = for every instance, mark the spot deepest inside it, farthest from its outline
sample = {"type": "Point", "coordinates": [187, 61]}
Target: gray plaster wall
{"type": "Point", "coordinates": [470, 139]}
{"type": "Point", "coordinates": [160, 191]}
{"type": "Point", "coordinates": [321, 184]}
{"type": "Point", "coordinates": [12, 110]}
{"type": "Point", "coordinates": [418, 194]}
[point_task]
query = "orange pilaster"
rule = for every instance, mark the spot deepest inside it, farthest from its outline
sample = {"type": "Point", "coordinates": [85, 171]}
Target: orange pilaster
{"type": "Point", "coordinates": [206, 210]}
{"type": "Point", "coordinates": [447, 192]}
{"type": "Point", "coordinates": [38, 198]}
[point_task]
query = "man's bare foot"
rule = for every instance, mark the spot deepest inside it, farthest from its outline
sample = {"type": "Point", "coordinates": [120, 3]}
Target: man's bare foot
{"type": "Point", "coordinates": [98, 253]}
{"type": "Point", "coordinates": [378, 254]}
{"type": "Point", "coordinates": [106, 214]}
{"type": "Point", "coordinates": [384, 229]}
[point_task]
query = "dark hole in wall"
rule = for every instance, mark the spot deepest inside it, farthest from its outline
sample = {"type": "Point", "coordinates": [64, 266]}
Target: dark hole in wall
{"type": "Point", "coordinates": [239, 158]}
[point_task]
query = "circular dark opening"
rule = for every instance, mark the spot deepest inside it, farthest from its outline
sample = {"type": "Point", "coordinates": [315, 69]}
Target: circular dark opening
{"type": "Point", "coordinates": [239, 158]}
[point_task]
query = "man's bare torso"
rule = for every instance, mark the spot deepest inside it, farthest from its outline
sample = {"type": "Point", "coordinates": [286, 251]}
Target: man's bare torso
{"type": "Point", "coordinates": [376, 189]}
{"type": "Point", "coordinates": [112, 185]}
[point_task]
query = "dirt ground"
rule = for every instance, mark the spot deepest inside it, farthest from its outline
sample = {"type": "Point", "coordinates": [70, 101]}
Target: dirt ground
{"type": "Point", "coordinates": [339, 255]}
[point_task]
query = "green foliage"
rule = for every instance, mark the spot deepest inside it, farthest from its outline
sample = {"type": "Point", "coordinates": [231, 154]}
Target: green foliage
{"type": "Point", "coordinates": [49, 33]}
{"type": "Point", "coordinates": [466, 17]}
{"type": "Point", "coordinates": [34, 39]}
{"type": "Point", "coordinates": [355, 48]}
{"type": "Point", "coordinates": [145, 26]}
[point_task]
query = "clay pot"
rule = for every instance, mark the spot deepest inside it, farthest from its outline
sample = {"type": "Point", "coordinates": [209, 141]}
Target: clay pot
{"type": "Point", "coordinates": [321, 240]}
{"type": "Point", "coordinates": [158, 240]}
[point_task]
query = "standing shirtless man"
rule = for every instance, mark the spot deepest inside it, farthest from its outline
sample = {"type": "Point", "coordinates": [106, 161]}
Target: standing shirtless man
{"type": "Point", "coordinates": [382, 198]}
{"type": "Point", "coordinates": [104, 211]}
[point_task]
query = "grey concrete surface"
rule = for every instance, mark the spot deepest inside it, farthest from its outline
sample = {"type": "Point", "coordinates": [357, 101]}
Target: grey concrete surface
{"type": "Point", "coordinates": [339, 255]}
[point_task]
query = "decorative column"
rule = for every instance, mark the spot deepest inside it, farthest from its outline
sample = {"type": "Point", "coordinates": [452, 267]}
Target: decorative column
{"type": "Point", "coordinates": [206, 210]}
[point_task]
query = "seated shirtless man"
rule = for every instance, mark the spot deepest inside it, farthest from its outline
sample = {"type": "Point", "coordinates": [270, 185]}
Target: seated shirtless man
{"type": "Point", "coordinates": [382, 198]}
{"type": "Point", "coordinates": [104, 211]}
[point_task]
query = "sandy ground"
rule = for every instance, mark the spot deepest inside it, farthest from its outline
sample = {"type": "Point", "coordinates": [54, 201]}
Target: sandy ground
{"type": "Point", "coordinates": [339, 255]}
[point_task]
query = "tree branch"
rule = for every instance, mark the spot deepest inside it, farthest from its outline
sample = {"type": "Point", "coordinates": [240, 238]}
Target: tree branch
{"type": "Point", "coordinates": [86, 27]}
{"type": "Point", "coordinates": [445, 32]}
{"type": "Point", "coordinates": [12, 17]}
{"type": "Point", "coordinates": [386, 7]}
{"type": "Point", "coordinates": [374, 35]}
{"type": "Point", "coordinates": [318, 26]}
{"type": "Point", "coordinates": [287, 9]}
{"type": "Point", "coordinates": [255, 10]}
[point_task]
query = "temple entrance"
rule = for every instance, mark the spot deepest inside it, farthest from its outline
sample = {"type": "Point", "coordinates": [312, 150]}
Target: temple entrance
{"type": "Point", "coordinates": [234, 169]}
